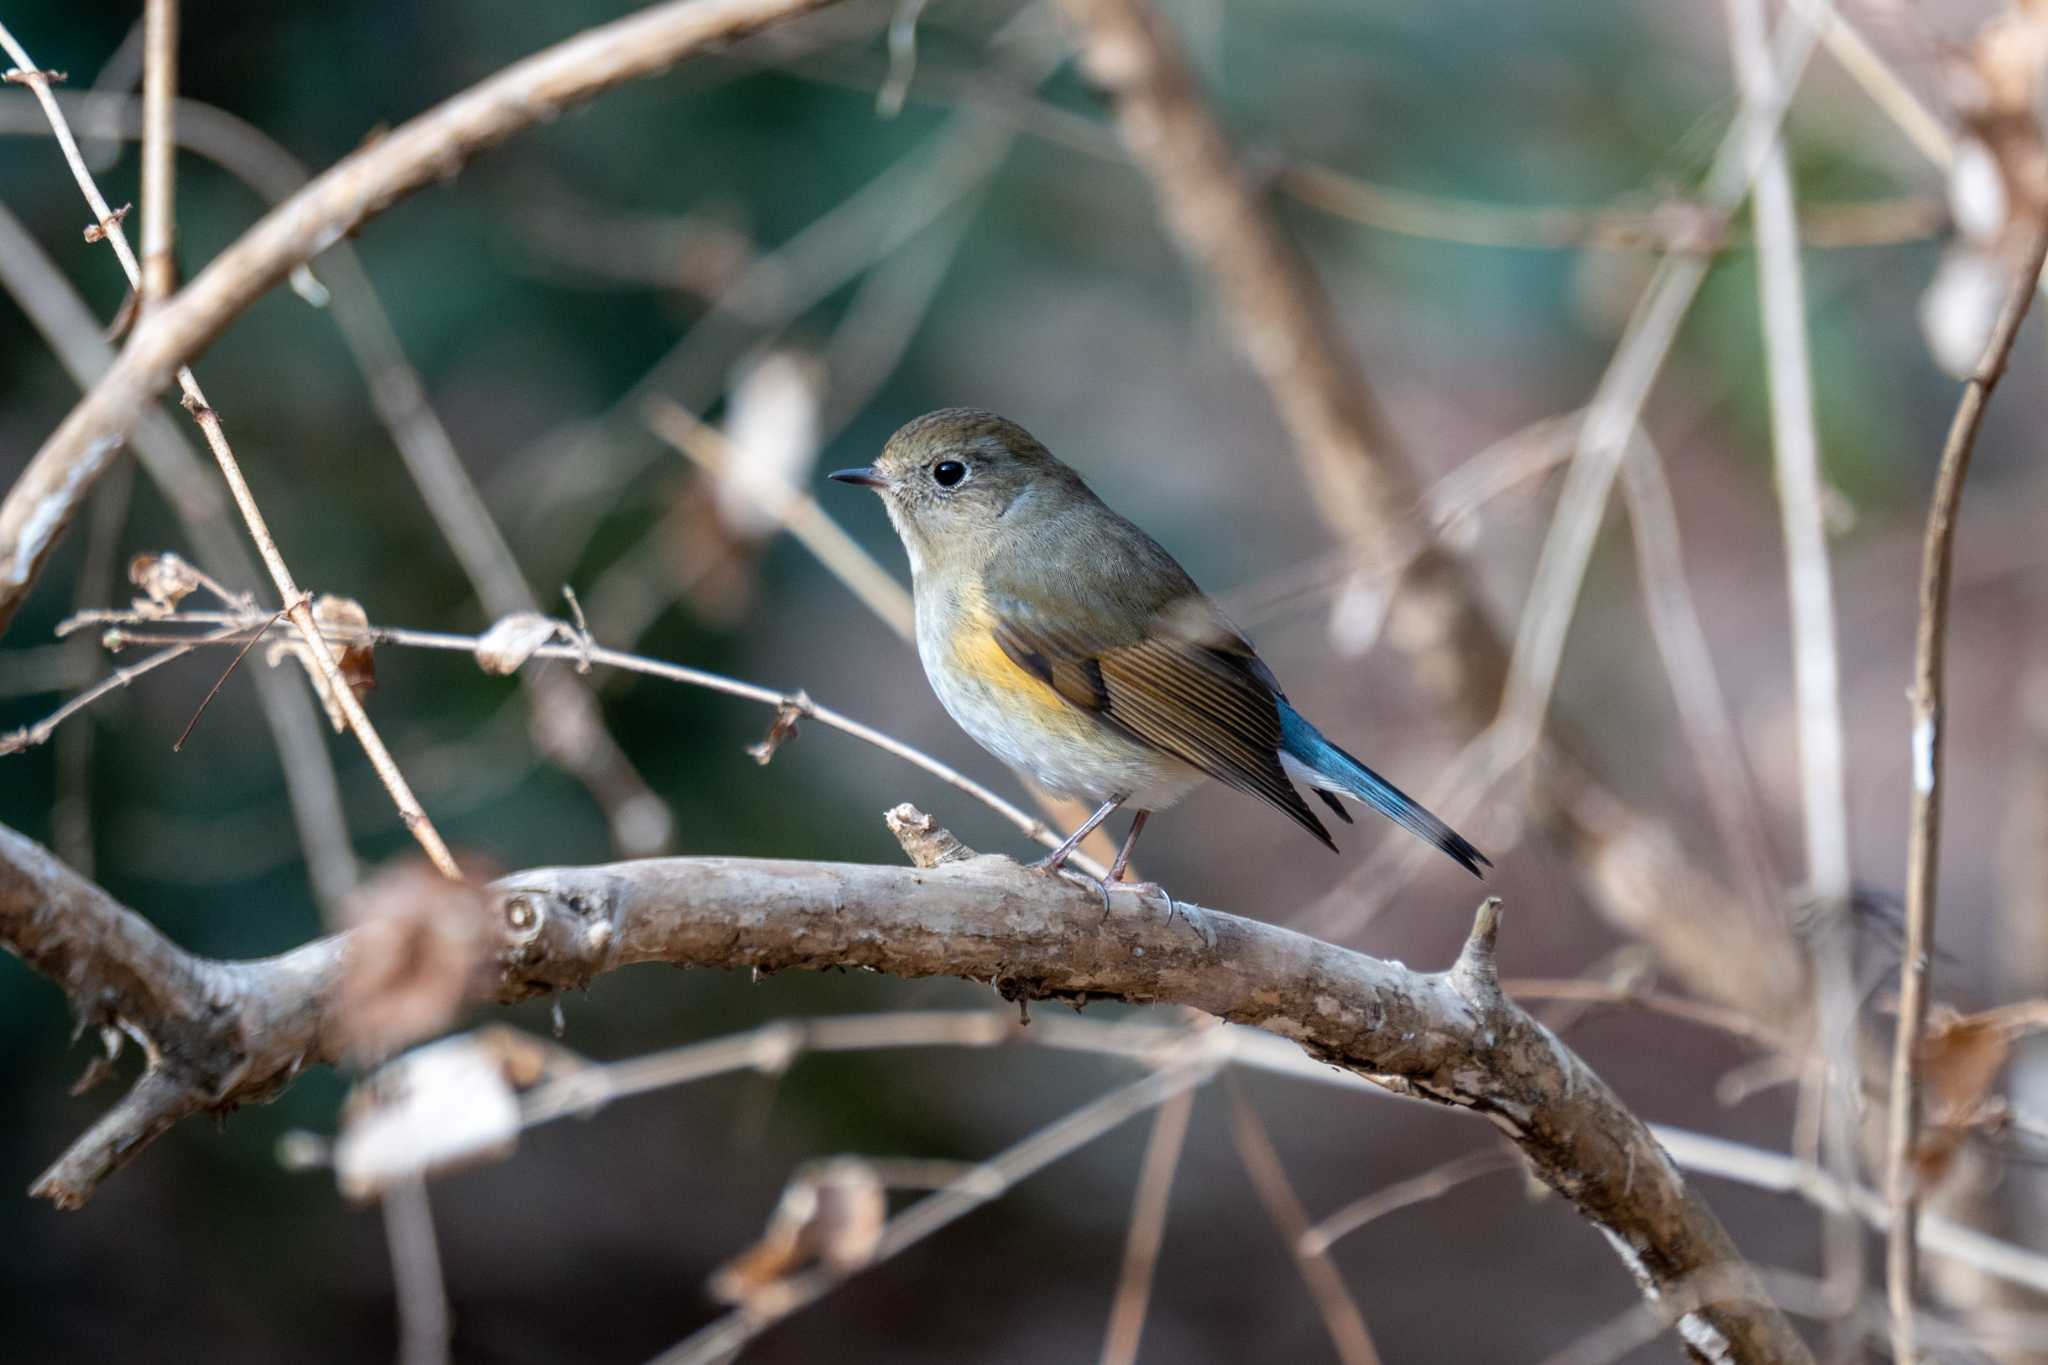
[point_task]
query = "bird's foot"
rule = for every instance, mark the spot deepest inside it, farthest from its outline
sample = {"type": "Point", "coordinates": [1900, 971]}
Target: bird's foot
{"type": "Point", "coordinates": [1145, 890]}
{"type": "Point", "coordinates": [1054, 865]}
{"type": "Point", "coordinates": [1141, 890]}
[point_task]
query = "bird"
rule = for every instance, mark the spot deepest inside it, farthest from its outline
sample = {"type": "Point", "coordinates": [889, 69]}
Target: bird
{"type": "Point", "coordinates": [1073, 647]}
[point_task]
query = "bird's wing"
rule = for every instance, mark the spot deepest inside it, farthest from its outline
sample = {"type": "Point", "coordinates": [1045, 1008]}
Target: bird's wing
{"type": "Point", "coordinates": [1185, 682]}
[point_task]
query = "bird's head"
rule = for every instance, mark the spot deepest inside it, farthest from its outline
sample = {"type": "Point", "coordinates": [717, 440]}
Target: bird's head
{"type": "Point", "coordinates": [956, 479]}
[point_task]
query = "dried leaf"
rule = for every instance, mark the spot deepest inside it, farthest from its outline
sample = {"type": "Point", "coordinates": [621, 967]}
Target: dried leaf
{"type": "Point", "coordinates": [784, 728]}
{"type": "Point", "coordinates": [439, 1108]}
{"type": "Point", "coordinates": [415, 956]}
{"type": "Point", "coordinates": [1960, 307]}
{"type": "Point", "coordinates": [346, 626]}
{"type": "Point", "coordinates": [1977, 195]}
{"type": "Point", "coordinates": [773, 433]}
{"type": "Point", "coordinates": [832, 1212]}
{"type": "Point", "coordinates": [2007, 56]}
{"type": "Point", "coordinates": [165, 580]}
{"type": "Point", "coordinates": [511, 641]}
{"type": "Point", "coordinates": [1358, 614]}
{"type": "Point", "coordinates": [1961, 1057]}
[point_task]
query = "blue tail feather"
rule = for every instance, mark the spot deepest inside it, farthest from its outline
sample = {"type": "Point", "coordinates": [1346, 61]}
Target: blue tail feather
{"type": "Point", "coordinates": [1306, 745]}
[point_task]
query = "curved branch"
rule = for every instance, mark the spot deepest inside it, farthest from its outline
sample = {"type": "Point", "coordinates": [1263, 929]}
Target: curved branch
{"type": "Point", "coordinates": [429, 148]}
{"type": "Point", "coordinates": [220, 1034]}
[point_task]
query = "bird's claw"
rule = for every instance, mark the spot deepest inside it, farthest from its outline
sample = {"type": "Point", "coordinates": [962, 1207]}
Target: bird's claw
{"type": "Point", "coordinates": [1046, 867]}
{"type": "Point", "coordinates": [1144, 889]}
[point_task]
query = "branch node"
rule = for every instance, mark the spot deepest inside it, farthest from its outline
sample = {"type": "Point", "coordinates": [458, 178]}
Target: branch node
{"type": "Point", "coordinates": [104, 228]}
{"type": "Point", "coordinates": [928, 843]}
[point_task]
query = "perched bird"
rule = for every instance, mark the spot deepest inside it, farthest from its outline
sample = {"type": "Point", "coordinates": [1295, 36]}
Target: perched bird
{"type": "Point", "coordinates": [1071, 646]}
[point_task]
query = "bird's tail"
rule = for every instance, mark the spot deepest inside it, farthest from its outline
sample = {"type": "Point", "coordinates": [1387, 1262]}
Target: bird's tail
{"type": "Point", "coordinates": [1329, 768]}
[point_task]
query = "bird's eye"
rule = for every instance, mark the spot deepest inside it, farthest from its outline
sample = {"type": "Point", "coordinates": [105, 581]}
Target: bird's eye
{"type": "Point", "coordinates": [946, 473]}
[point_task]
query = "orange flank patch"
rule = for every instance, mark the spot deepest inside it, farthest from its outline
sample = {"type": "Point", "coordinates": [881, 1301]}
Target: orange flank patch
{"type": "Point", "coordinates": [977, 655]}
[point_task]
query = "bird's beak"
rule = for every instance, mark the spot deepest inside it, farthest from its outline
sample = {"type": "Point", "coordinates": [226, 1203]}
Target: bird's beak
{"type": "Point", "coordinates": [865, 476]}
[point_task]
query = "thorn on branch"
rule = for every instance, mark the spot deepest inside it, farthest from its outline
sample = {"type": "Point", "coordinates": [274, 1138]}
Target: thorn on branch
{"type": "Point", "coordinates": [1475, 973]}
{"type": "Point", "coordinates": [928, 843]}
{"type": "Point", "coordinates": [16, 76]}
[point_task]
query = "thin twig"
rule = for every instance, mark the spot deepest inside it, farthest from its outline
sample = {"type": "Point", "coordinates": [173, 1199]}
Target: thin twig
{"type": "Point", "coordinates": [1886, 90]}
{"type": "Point", "coordinates": [572, 474]}
{"type": "Point", "coordinates": [1734, 1023]}
{"type": "Point", "coordinates": [798, 703]}
{"type": "Point", "coordinates": [1689, 667]}
{"type": "Point", "coordinates": [423, 1325]}
{"type": "Point", "coordinates": [164, 452]}
{"type": "Point", "coordinates": [178, 744]}
{"type": "Point", "coordinates": [159, 151]}
{"type": "Point", "coordinates": [948, 168]}
{"type": "Point", "coordinates": [1433, 1183]}
{"type": "Point", "coordinates": [564, 720]}
{"type": "Point", "coordinates": [1627, 224]}
{"type": "Point", "coordinates": [1923, 848]}
{"type": "Point", "coordinates": [71, 823]}
{"type": "Point", "coordinates": [1816, 672]}
{"type": "Point", "coordinates": [424, 151]}
{"type": "Point", "coordinates": [1616, 409]}
{"type": "Point", "coordinates": [989, 1181]}
{"type": "Point", "coordinates": [1147, 1231]}
{"type": "Point", "coordinates": [774, 1046]}
{"type": "Point", "coordinates": [30, 736]}
{"type": "Point", "coordinates": [296, 604]}
{"type": "Point", "coordinates": [1801, 494]}
{"type": "Point", "coordinates": [1341, 1318]}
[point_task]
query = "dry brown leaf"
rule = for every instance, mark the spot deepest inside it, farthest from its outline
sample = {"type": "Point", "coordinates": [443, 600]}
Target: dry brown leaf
{"type": "Point", "coordinates": [1961, 1056]}
{"type": "Point", "coordinates": [784, 728]}
{"type": "Point", "coordinates": [512, 639]}
{"type": "Point", "coordinates": [165, 580]}
{"type": "Point", "coordinates": [439, 1108]}
{"type": "Point", "coordinates": [346, 626]}
{"type": "Point", "coordinates": [2007, 55]}
{"type": "Point", "coordinates": [832, 1212]}
{"type": "Point", "coordinates": [772, 437]}
{"type": "Point", "coordinates": [416, 956]}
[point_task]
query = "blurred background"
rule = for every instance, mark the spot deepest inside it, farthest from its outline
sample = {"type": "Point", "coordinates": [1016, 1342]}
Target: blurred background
{"type": "Point", "coordinates": [761, 237]}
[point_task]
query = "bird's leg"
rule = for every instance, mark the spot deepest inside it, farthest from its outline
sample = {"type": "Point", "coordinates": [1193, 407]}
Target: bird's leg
{"type": "Point", "coordinates": [1123, 855]}
{"type": "Point", "coordinates": [1053, 861]}
{"type": "Point", "coordinates": [1122, 864]}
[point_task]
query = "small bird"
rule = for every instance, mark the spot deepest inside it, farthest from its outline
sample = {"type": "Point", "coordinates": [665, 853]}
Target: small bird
{"type": "Point", "coordinates": [1074, 648]}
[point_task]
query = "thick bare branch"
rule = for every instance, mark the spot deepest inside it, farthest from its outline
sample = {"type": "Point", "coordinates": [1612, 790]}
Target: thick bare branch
{"type": "Point", "coordinates": [219, 1034]}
